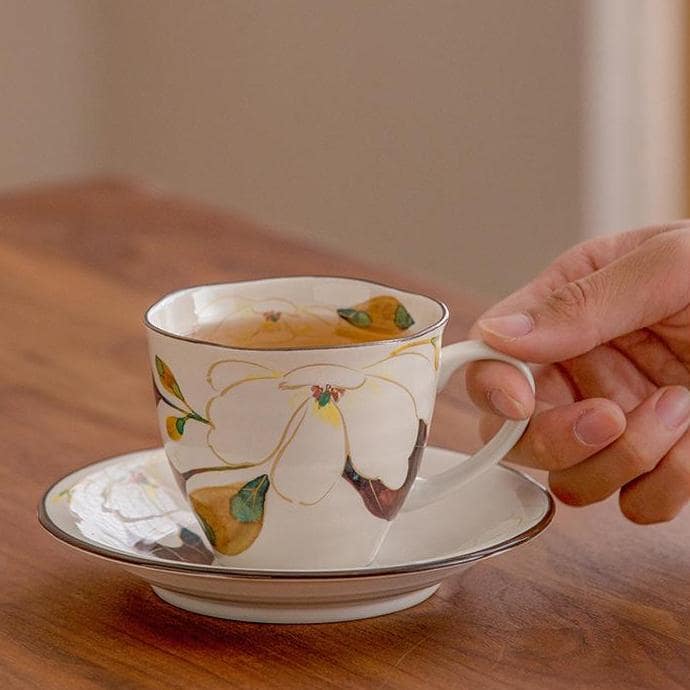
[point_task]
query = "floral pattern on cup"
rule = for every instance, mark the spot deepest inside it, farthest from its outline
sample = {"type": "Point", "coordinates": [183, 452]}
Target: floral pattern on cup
{"type": "Point", "coordinates": [382, 313]}
{"type": "Point", "coordinates": [321, 408]}
{"type": "Point", "coordinates": [174, 425]}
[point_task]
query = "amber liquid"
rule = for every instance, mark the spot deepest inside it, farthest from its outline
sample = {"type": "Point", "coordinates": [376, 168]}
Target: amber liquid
{"type": "Point", "coordinates": [380, 318]}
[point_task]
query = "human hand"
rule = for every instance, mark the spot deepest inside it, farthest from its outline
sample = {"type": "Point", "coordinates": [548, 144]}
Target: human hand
{"type": "Point", "coordinates": [609, 324]}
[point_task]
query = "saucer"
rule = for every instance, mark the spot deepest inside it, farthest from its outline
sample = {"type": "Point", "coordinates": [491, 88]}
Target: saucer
{"type": "Point", "coordinates": [129, 510]}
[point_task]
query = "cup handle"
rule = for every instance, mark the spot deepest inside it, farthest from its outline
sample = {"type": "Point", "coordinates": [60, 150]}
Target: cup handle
{"type": "Point", "coordinates": [428, 490]}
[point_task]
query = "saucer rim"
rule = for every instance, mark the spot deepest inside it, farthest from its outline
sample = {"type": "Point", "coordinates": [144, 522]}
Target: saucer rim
{"type": "Point", "coordinates": [221, 571]}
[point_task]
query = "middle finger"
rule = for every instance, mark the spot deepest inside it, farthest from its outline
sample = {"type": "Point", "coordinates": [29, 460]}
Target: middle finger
{"type": "Point", "coordinates": [559, 437]}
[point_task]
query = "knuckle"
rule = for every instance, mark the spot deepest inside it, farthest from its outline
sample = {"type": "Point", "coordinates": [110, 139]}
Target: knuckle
{"type": "Point", "coordinates": [566, 493]}
{"type": "Point", "coordinates": [539, 447]}
{"type": "Point", "coordinates": [636, 462]}
{"type": "Point", "coordinates": [571, 297]}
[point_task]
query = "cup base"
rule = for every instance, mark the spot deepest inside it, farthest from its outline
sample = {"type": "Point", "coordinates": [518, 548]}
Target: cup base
{"type": "Point", "coordinates": [318, 612]}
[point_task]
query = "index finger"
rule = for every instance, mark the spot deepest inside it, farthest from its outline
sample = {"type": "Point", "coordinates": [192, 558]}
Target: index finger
{"type": "Point", "coordinates": [575, 263]}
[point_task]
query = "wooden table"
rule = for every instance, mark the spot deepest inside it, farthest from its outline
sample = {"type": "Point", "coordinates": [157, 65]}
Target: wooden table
{"type": "Point", "coordinates": [596, 602]}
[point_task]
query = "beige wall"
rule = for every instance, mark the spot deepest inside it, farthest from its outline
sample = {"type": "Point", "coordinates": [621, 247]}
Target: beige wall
{"type": "Point", "coordinates": [445, 136]}
{"type": "Point", "coordinates": [51, 91]}
{"type": "Point", "coordinates": [438, 135]}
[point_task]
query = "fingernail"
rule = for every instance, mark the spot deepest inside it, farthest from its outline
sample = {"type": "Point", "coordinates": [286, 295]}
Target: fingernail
{"type": "Point", "coordinates": [506, 405]}
{"type": "Point", "coordinates": [596, 427]}
{"type": "Point", "coordinates": [673, 407]}
{"type": "Point", "coordinates": [509, 327]}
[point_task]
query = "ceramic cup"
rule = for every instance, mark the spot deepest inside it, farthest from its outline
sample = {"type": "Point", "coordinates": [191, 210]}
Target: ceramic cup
{"type": "Point", "coordinates": [297, 459]}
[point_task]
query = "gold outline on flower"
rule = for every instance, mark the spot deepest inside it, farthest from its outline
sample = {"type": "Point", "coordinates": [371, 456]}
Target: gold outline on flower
{"type": "Point", "coordinates": [346, 380]}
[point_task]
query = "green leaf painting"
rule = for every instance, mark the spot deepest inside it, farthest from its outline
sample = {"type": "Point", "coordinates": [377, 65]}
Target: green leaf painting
{"type": "Point", "coordinates": [167, 379]}
{"type": "Point", "coordinates": [356, 317]}
{"type": "Point", "coordinates": [402, 318]}
{"type": "Point", "coordinates": [179, 425]}
{"type": "Point", "coordinates": [174, 425]}
{"type": "Point", "coordinates": [247, 505]}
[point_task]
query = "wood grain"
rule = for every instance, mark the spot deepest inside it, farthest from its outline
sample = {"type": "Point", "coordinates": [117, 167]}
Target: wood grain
{"type": "Point", "coordinates": [596, 602]}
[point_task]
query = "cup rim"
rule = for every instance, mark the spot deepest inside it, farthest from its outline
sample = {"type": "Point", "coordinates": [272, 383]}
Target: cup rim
{"type": "Point", "coordinates": [445, 313]}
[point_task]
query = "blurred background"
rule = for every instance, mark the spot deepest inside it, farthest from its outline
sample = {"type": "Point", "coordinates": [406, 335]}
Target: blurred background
{"type": "Point", "coordinates": [468, 141]}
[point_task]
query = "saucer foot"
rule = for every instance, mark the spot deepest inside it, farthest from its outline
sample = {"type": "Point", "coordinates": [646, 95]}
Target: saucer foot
{"type": "Point", "coordinates": [284, 613]}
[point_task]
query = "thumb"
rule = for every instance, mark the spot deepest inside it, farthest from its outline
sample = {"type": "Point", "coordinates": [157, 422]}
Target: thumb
{"type": "Point", "coordinates": [636, 290]}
